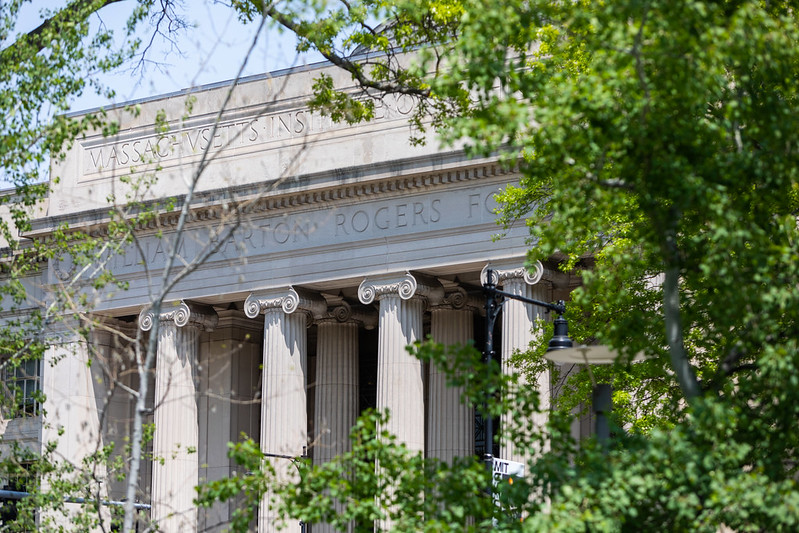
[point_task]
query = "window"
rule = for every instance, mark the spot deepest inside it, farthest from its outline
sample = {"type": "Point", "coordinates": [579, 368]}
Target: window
{"type": "Point", "coordinates": [21, 386]}
{"type": "Point", "coordinates": [20, 479]}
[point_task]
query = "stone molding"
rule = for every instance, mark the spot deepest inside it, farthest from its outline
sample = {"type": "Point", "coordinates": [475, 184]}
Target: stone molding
{"type": "Point", "coordinates": [502, 274]}
{"type": "Point", "coordinates": [289, 300]}
{"type": "Point", "coordinates": [406, 286]}
{"type": "Point", "coordinates": [216, 206]}
{"type": "Point", "coordinates": [457, 298]}
{"type": "Point", "coordinates": [234, 318]}
{"type": "Point", "coordinates": [185, 313]}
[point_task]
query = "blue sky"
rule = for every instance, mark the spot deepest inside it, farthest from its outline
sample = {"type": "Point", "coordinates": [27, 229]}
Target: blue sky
{"type": "Point", "coordinates": [212, 50]}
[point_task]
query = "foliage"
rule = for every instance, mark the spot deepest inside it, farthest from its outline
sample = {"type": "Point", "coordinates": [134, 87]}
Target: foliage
{"type": "Point", "coordinates": [656, 151]}
{"type": "Point", "coordinates": [252, 479]}
{"type": "Point", "coordinates": [404, 493]}
{"type": "Point", "coordinates": [41, 71]}
{"type": "Point", "coordinates": [655, 145]}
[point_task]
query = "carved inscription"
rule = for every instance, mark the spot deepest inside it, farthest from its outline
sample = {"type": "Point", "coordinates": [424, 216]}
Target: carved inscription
{"type": "Point", "coordinates": [276, 127]}
{"type": "Point", "coordinates": [256, 238]}
{"type": "Point", "coordinates": [482, 203]}
{"type": "Point", "coordinates": [334, 226]}
{"type": "Point", "coordinates": [385, 217]}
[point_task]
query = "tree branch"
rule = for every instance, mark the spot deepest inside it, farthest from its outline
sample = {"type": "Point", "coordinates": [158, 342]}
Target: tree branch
{"type": "Point", "coordinates": [345, 63]}
{"type": "Point", "coordinates": [37, 39]}
{"type": "Point", "coordinates": [671, 309]}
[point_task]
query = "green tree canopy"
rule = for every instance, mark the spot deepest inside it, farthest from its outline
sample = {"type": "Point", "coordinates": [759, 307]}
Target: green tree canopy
{"type": "Point", "coordinates": [655, 143]}
{"type": "Point", "coordinates": [655, 140]}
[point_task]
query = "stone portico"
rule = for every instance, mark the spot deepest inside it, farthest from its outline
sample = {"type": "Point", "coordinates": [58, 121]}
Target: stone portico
{"type": "Point", "coordinates": [336, 245]}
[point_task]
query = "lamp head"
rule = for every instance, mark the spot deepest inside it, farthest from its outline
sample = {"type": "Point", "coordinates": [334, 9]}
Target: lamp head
{"type": "Point", "coordinates": [560, 340]}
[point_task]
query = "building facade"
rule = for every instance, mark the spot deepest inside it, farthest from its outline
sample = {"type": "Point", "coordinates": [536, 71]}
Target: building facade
{"type": "Point", "coordinates": [317, 252]}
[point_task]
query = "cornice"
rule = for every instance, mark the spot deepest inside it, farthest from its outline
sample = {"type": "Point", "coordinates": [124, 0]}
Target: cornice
{"type": "Point", "coordinates": [218, 204]}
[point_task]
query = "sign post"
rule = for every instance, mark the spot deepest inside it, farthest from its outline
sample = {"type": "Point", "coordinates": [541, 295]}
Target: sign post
{"type": "Point", "coordinates": [504, 473]}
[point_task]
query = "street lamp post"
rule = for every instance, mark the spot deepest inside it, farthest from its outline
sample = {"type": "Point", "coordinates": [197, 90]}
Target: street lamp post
{"type": "Point", "coordinates": [495, 299]}
{"type": "Point", "coordinates": [561, 349]}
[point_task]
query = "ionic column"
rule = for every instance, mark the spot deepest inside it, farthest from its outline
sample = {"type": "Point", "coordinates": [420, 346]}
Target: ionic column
{"type": "Point", "coordinates": [70, 415]}
{"type": "Point", "coordinates": [450, 430]}
{"type": "Point", "coordinates": [176, 436]}
{"type": "Point", "coordinates": [518, 320]}
{"type": "Point", "coordinates": [284, 418]}
{"type": "Point", "coordinates": [336, 405]}
{"type": "Point", "coordinates": [230, 384]}
{"type": "Point", "coordinates": [400, 376]}
{"type": "Point", "coordinates": [112, 368]}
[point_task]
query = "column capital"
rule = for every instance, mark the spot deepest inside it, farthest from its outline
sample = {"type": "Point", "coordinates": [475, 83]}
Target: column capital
{"type": "Point", "coordinates": [406, 286]}
{"type": "Point", "coordinates": [343, 312]}
{"type": "Point", "coordinates": [289, 300]}
{"type": "Point", "coordinates": [503, 272]}
{"type": "Point", "coordinates": [182, 314]}
{"type": "Point", "coordinates": [458, 298]}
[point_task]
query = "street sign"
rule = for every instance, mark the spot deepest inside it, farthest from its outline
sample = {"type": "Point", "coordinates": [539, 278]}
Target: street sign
{"type": "Point", "coordinates": [506, 470]}
{"type": "Point", "coordinates": [504, 473]}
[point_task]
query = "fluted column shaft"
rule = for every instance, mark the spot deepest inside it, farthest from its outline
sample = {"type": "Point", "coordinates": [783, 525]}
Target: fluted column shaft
{"type": "Point", "coordinates": [518, 319]}
{"type": "Point", "coordinates": [450, 421]}
{"type": "Point", "coordinates": [176, 429]}
{"type": "Point", "coordinates": [336, 406]}
{"type": "Point", "coordinates": [400, 376]}
{"type": "Point", "coordinates": [336, 388]}
{"type": "Point", "coordinates": [284, 415]}
{"type": "Point", "coordinates": [284, 427]}
{"type": "Point", "coordinates": [284, 418]}
{"type": "Point", "coordinates": [176, 437]}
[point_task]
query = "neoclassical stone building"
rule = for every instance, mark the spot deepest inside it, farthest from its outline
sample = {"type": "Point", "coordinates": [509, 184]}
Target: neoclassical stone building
{"type": "Point", "coordinates": [336, 246]}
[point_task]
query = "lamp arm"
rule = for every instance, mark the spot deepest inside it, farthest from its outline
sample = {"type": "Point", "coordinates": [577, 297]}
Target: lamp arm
{"type": "Point", "coordinates": [559, 307]}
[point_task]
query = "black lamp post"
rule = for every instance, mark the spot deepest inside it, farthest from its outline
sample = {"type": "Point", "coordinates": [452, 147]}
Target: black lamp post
{"type": "Point", "coordinates": [561, 349]}
{"type": "Point", "coordinates": [495, 299]}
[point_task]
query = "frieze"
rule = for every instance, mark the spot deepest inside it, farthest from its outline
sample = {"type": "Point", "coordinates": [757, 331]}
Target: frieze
{"type": "Point", "coordinates": [332, 226]}
{"type": "Point", "coordinates": [266, 235]}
